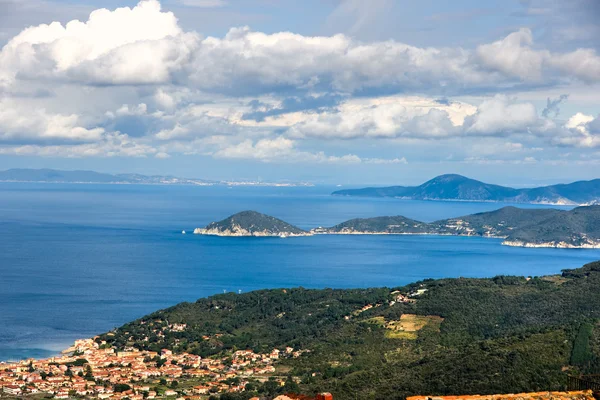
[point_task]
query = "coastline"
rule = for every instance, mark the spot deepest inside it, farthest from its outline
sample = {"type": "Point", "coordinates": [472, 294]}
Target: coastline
{"type": "Point", "coordinates": [539, 203]}
{"type": "Point", "coordinates": [316, 232]}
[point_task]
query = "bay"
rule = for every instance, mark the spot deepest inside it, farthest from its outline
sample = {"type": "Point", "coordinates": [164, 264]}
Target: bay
{"type": "Point", "coordinates": [78, 260]}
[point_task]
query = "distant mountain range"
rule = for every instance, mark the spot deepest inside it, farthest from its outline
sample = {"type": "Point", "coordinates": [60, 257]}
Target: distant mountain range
{"type": "Point", "coordinates": [461, 188]}
{"type": "Point", "coordinates": [577, 228]}
{"type": "Point", "coordinates": [58, 176]}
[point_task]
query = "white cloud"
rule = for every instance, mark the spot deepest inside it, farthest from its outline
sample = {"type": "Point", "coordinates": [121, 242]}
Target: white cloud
{"type": "Point", "coordinates": [18, 122]}
{"type": "Point", "coordinates": [144, 45]}
{"type": "Point", "coordinates": [385, 118]}
{"type": "Point", "coordinates": [127, 45]}
{"type": "Point", "coordinates": [111, 145]}
{"type": "Point", "coordinates": [514, 56]}
{"type": "Point", "coordinates": [131, 82]}
{"type": "Point", "coordinates": [281, 149]}
{"type": "Point", "coordinates": [501, 114]}
{"type": "Point", "coordinates": [580, 132]}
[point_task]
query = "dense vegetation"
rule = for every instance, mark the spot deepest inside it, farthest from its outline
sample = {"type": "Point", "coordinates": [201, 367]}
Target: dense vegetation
{"type": "Point", "coordinates": [576, 227]}
{"type": "Point", "coordinates": [397, 224]}
{"type": "Point", "coordinates": [457, 187]}
{"type": "Point", "coordinates": [499, 335]}
{"type": "Point", "coordinates": [253, 222]}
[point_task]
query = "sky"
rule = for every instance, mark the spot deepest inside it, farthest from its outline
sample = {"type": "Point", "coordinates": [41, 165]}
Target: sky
{"type": "Point", "coordinates": [343, 92]}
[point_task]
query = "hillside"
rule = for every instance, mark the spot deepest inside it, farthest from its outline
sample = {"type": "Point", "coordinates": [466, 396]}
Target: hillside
{"type": "Point", "coordinates": [499, 223]}
{"type": "Point", "coordinates": [440, 337]}
{"type": "Point", "coordinates": [577, 228]}
{"type": "Point", "coordinates": [250, 223]}
{"type": "Point", "coordinates": [397, 224]}
{"type": "Point", "coordinates": [457, 187]}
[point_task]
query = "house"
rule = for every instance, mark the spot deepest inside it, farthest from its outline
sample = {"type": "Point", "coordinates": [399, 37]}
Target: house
{"type": "Point", "coordinates": [201, 389]}
{"type": "Point", "coordinates": [13, 389]}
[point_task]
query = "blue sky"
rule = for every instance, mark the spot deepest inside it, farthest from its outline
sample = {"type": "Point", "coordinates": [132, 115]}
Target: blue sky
{"type": "Point", "coordinates": [329, 91]}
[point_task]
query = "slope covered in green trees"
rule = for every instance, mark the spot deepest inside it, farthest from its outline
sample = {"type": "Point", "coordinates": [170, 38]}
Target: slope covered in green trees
{"type": "Point", "coordinates": [251, 223]}
{"type": "Point", "coordinates": [579, 227]}
{"type": "Point", "coordinates": [448, 336]}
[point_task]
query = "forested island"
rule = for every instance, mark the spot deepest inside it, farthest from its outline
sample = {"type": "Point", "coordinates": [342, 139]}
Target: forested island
{"type": "Point", "coordinates": [436, 337]}
{"type": "Point", "coordinates": [251, 223]}
{"type": "Point", "coordinates": [461, 188]}
{"type": "Point", "coordinates": [577, 228]}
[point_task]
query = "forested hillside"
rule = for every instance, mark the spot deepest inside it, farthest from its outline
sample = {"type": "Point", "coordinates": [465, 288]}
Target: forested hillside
{"type": "Point", "coordinates": [449, 336]}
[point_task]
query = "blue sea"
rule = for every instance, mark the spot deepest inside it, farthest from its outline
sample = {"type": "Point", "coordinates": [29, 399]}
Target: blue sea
{"type": "Point", "coordinates": [78, 260]}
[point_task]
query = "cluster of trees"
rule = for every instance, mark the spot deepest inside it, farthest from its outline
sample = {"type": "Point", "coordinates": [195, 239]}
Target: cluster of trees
{"type": "Point", "coordinates": [499, 335]}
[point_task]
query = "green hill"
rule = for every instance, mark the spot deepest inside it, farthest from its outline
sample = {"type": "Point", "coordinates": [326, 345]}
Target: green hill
{"type": "Point", "coordinates": [396, 224]}
{"type": "Point", "coordinates": [579, 227]}
{"type": "Point", "coordinates": [471, 336]}
{"type": "Point", "coordinates": [251, 223]}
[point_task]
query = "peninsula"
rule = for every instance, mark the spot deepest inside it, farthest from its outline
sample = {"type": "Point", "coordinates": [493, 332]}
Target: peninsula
{"type": "Point", "coordinates": [577, 228]}
{"type": "Point", "coordinates": [460, 188]}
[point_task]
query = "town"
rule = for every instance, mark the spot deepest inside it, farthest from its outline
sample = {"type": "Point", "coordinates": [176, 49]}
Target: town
{"type": "Point", "coordinates": [93, 369]}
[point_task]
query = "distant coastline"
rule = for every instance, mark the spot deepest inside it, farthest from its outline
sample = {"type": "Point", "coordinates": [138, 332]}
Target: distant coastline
{"type": "Point", "coordinates": [92, 177]}
{"type": "Point", "coordinates": [452, 187]}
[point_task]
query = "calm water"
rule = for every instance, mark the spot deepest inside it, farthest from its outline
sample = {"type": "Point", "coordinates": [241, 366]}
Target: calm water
{"type": "Point", "coordinates": [77, 260]}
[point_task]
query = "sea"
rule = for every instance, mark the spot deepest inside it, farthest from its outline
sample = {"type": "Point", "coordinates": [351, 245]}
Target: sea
{"type": "Point", "coordinates": [77, 260]}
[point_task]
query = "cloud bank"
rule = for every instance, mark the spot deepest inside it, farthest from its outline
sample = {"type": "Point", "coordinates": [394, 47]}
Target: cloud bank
{"type": "Point", "coordinates": [131, 82]}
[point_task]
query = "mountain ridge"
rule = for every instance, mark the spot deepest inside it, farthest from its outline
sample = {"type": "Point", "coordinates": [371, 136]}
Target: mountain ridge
{"type": "Point", "coordinates": [460, 188]}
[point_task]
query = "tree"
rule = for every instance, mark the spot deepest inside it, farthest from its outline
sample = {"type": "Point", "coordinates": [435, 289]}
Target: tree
{"type": "Point", "coordinates": [121, 387]}
{"type": "Point", "coordinates": [89, 376]}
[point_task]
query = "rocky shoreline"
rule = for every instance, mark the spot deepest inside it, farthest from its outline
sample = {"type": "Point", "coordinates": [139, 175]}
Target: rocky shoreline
{"type": "Point", "coordinates": [321, 231]}
{"type": "Point", "coordinates": [549, 228]}
{"type": "Point", "coordinates": [240, 232]}
{"type": "Point", "coordinates": [555, 245]}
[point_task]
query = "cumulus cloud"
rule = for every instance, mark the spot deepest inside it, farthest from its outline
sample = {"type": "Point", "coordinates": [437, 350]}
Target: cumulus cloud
{"type": "Point", "coordinates": [124, 46]}
{"type": "Point", "coordinates": [500, 115]}
{"type": "Point", "coordinates": [385, 118]}
{"type": "Point", "coordinates": [581, 131]}
{"type": "Point", "coordinates": [284, 150]}
{"type": "Point", "coordinates": [265, 96]}
{"type": "Point", "coordinates": [111, 145]}
{"type": "Point", "coordinates": [514, 56]}
{"type": "Point", "coordinates": [145, 45]}
{"type": "Point", "coordinates": [21, 123]}
{"type": "Point", "coordinates": [424, 119]}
